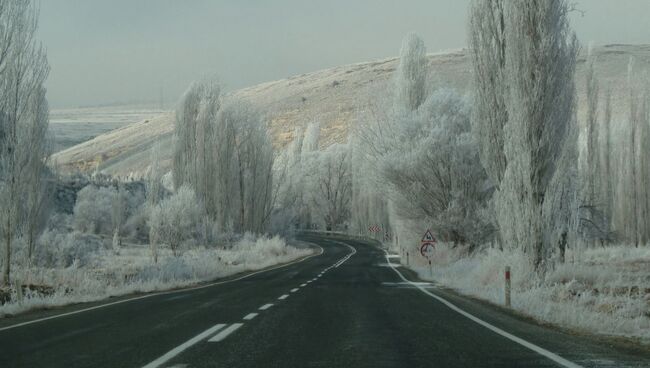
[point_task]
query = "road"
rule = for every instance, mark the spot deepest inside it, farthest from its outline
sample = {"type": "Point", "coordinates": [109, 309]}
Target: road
{"type": "Point", "coordinates": [344, 308]}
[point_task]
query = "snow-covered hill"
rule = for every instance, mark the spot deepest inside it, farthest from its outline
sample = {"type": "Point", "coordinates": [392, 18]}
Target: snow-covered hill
{"type": "Point", "coordinates": [334, 97]}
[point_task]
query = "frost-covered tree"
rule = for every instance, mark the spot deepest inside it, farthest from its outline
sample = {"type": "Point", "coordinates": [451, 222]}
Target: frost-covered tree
{"type": "Point", "coordinates": [311, 140]}
{"type": "Point", "coordinates": [592, 154]}
{"type": "Point", "coordinates": [155, 175]}
{"type": "Point", "coordinates": [436, 173]}
{"type": "Point", "coordinates": [194, 140]}
{"type": "Point", "coordinates": [419, 167]}
{"type": "Point", "coordinates": [288, 185]}
{"type": "Point", "coordinates": [329, 185]}
{"type": "Point", "coordinates": [175, 220]}
{"type": "Point", "coordinates": [632, 202]}
{"type": "Point", "coordinates": [224, 153]}
{"type": "Point", "coordinates": [606, 158]}
{"type": "Point", "coordinates": [36, 150]}
{"type": "Point", "coordinates": [244, 158]}
{"type": "Point", "coordinates": [594, 223]}
{"type": "Point", "coordinates": [524, 56]}
{"type": "Point", "coordinates": [23, 70]}
{"type": "Point", "coordinates": [487, 41]}
{"type": "Point", "coordinates": [118, 215]}
{"type": "Point", "coordinates": [411, 74]}
{"type": "Point", "coordinates": [541, 55]}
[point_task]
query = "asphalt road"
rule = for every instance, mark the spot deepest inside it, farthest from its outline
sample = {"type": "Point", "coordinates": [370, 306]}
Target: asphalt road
{"type": "Point", "coordinates": [345, 308]}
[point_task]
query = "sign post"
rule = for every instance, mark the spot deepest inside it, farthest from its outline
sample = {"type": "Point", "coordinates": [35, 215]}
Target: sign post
{"type": "Point", "coordinates": [507, 289]}
{"type": "Point", "coordinates": [427, 246]}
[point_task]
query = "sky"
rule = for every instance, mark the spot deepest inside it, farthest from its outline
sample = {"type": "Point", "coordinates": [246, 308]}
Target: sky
{"type": "Point", "coordinates": [125, 51]}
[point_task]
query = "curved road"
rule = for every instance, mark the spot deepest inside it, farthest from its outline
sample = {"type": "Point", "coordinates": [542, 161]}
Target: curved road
{"type": "Point", "coordinates": [345, 308]}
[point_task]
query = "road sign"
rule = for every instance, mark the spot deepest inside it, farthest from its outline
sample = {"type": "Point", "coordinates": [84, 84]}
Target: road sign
{"type": "Point", "coordinates": [427, 250]}
{"type": "Point", "coordinates": [428, 237]}
{"type": "Point", "coordinates": [374, 229]}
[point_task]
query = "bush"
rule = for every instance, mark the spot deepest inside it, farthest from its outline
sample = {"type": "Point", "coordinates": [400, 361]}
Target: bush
{"type": "Point", "coordinates": [176, 219]}
{"type": "Point", "coordinates": [92, 211]}
{"type": "Point", "coordinates": [63, 249]}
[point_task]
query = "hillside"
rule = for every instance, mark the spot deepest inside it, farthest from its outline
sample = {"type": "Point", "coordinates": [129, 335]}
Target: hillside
{"type": "Point", "coordinates": [334, 97]}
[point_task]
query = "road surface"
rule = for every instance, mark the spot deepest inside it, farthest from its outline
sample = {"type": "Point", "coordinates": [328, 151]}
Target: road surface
{"type": "Point", "coordinates": [347, 307]}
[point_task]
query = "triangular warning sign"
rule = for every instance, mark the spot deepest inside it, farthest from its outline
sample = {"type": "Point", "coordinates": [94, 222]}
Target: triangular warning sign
{"type": "Point", "coordinates": [428, 237]}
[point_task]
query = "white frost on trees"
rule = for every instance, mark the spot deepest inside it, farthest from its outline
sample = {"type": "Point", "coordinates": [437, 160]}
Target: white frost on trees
{"type": "Point", "coordinates": [329, 185]}
{"type": "Point", "coordinates": [411, 74]}
{"type": "Point", "coordinates": [224, 153]}
{"type": "Point", "coordinates": [524, 59]}
{"type": "Point", "coordinates": [23, 70]}
{"type": "Point", "coordinates": [175, 220]}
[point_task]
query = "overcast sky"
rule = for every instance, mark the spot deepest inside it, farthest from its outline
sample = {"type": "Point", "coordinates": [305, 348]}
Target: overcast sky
{"type": "Point", "coordinates": [108, 51]}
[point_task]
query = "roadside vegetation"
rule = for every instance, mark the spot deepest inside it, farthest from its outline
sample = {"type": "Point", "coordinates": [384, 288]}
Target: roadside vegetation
{"type": "Point", "coordinates": [513, 175]}
{"type": "Point", "coordinates": [510, 174]}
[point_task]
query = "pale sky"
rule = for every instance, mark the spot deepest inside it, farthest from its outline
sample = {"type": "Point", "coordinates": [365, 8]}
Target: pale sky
{"type": "Point", "coordinates": [108, 51]}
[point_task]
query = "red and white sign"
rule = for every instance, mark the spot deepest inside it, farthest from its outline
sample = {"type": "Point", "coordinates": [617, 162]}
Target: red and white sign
{"type": "Point", "coordinates": [428, 245]}
{"type": "Point", "coordinates": [428, 237]}
{"type": "Point", "coordinates": [426, 250]}
{"type": "Point", "coordinates": [374, 229]}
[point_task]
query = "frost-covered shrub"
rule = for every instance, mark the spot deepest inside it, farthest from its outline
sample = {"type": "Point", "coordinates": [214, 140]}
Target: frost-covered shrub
{"type": "Point", "coordinates": [100, 209]}
{"type": "Point", "coordinates": [64, 249]}
{"type": "Point", "coordinates": [176, 219]}
{"type": "Point", "coordinates": [137, 226]}
{"type": "Point", "coordinates": [92, 211]}
{"type": "Point", "coordinates": [259, 251]}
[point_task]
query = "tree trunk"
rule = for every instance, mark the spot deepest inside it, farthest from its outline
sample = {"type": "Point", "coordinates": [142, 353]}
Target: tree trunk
{"type": "Point", "coordinates": [7, 265]}
{"type": "Point", "coordinates": [30, 245]}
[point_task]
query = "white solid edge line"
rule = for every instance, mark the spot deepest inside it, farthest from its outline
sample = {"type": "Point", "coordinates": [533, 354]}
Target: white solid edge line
{"type": "Point", "coordinates": [283, 297]}
{"type": "Point", "coordinates": [250, 316]}
{"type": "Point", "coordinates": [225, 333]}
{"type": "Point", "coordinates": [180, 348]}
{"type": "Point", "coordinates": [163, 293]}
{"type": "Point", "coordinates": [294, 290]}
{"type": "Point", "coordinates": [552, 356]}
{"type": "Point", "coordinates": [266, 306]}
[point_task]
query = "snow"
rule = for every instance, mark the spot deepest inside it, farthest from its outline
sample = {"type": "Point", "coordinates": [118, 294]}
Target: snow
{"type": "Point", "coordinates": [598, 290]}
{"type": "Point", "coordinates": [105, 274]}
{"type": "Point", "coordinates": [72, 126]}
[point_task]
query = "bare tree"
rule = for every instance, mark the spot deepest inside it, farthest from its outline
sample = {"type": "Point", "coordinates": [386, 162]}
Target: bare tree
{"type": "Point", "coordinates": [330, 184]}
{"type": "Point", "coordinates": [36, 150]}
{"type": "Point", "coordinates": [606, 157]}
{"type": "Point", "coordinates": [23, 70]}
{"type": "Point", "coordinates": [118, 214]}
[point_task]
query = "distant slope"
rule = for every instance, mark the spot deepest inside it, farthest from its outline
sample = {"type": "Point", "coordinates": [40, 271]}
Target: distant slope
{"type": "Point", "coordinates": [72, 126]}
{"type": "Point", "coordinates": [332, 96]}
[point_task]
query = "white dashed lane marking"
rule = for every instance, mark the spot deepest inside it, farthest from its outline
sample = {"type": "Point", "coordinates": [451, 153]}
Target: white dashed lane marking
{"type": "Point", "coordinates": [294, 290]}
{"type": "Point", "coordinates": [184, 346]}
{"type": "Point", "coordinates": [250, 316]}
{"type": "Point", "coordinates": [266, 306]}
{"type": "Point", "coordinates": [223, 334]}
{"type": "Point", "coordinates": [283, 297]}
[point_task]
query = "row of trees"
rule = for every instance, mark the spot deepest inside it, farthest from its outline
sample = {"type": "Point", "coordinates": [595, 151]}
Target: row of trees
{"type": "Point", "coordinates": [224, 153]}
{"type": "Point", "coordinates": [615, 170]}
{"type": "Point", "coordinates": [23, 128]}
{"type": "Point", "coordinates": [315, 185]}
{"type": "Point", "coordinates": [506, 166]}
